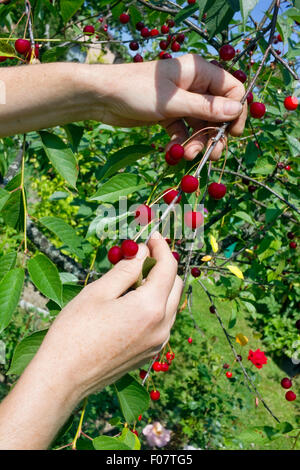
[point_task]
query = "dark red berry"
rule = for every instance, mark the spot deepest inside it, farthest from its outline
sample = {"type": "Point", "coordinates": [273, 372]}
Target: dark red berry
{"type": "Point", "coordinates": [195, 272]}
{"type": "Point", "coordinates": [193, 219]}
{"type": "Point", "coordinates": [257, 110]}
{"type": "Point", "coordinates": [124, 18]}
{"type": "Point", "coordinates": [286, 383]}
{"type": "Point", "coordinates": [129, 248]}
{"type": "Point", "coordinates": [189, 184]}
{"type": "Point", "coordinates": [163, 45]}
{"type": "Point", "coordinates": [145, 32]}
{"type": "Point", "coordinates": [180, 38]}
{"type": "Point", "coordinates": [89, 30]}
{"type": "Point", "coordinates": [212, 309]}
{"type": "Point", "coordinates": [175, 46]}
{"type": "Point", "coordinates": [227, 52]}
{"type": "Point", "coordinates": [217, 190]}
{"type": "Point", "coordinates": [176, 151]}
{"type": "Point", "coordinates": [138, 58]}
{"type": "Point", "coordinates": [297, 324]}
{"type": "Point", "coordinates": [143, 374]}
{"type": "Point", "coordinates": [293, 245]}
{"type": "Point", "coordinates": [240, 75]}
{"type": "Point", "coordinates": [290, 235]}
{"type": "Point", "coordinates": [165, 55]}
{"type": "Point", "coordinates": [134, 45]}
{"type": "Point", "coordinates": [251, 188]}
{"type": "Point", "coordinates": [215, 62]}
{"type": "Point", "coordinates": [144, 214]}
{"type": "Point", "coordinates": [170, 23]}
{"type": "Point", "coordinates": [115, 254]}
{"type": "Point", "coordinates": [22, 46]}
{"type": "Point", "coordinates": [134, 432]}
{"type": "Point", "coordinates": [176, 256]}
{"type": "Point", "coordinates": [191, 2]}
{"type": "Point", "coordinates": [291, 103]}
{"type": "Point", "coordinates": [290, 396]}
{"type": "Point", "coordinates": [164, 367]}
{"type": "Point", "coordinates": [239, 358]}
{"type": "Point", "coordinates": [170, 160]}
{"type": "Point", "coordinates": [139, 26]}
{"type": "Point", "coordinates": [156, 366]}
{"type": "Point", "coordinates": [3, 59]}
{"type": "Point", "coordinates": [165, 29]}
{"type": "Point", "coordinates": [226, 366]}
{"type": "Point", "coordinates": [250, 97]}
{"type": "Point", "coordinates": [170, 194]}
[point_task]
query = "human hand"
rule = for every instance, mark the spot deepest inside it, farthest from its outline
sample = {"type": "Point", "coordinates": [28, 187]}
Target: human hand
{"type": "Point", "coordinates": [176, 93]}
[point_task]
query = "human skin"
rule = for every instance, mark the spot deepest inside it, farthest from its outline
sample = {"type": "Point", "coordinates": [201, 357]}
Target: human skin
{"type": "Point", "coordinates": [176, 93]}
{"type": "Point", "coordinates": [98, 337]}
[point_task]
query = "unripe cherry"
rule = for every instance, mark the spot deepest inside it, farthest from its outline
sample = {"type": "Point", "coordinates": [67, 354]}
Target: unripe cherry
{"type": "Point", "coordinates": [193, 219]}
{"type": "Point", "coordinates": [217, 190]}
{"type": "Point", "coordinates": [144, 214]}
{"type": "Point", "coordinates": [170, 194]}
{"type": "Point", "coordinates": [290, 396]}
{"type": "Point", "coordinates": [286, 383]}
{"type": "Point", "coordinates": [115, 254]}
{"type": "Point", "coordinates": [154, 395]}
{"type": "Point", "coordinates": [129, 248]}
{"type": "Point", "coordinates": [227, 52]}
{"type": "Point", "coordinates": [176, 151]}
{"type": "Point", "coordinates": [124, 18]}
{"type": "Point", "coordinates": [257, 110]}
{"type": "Point", "coordinates": [189, 184]}
{"type": "Point", "coordinates": [89, 29]}
{"type": "Point", "coordinates": [195, 272]}
{"type": "Point", "coordinates": [291, 103]}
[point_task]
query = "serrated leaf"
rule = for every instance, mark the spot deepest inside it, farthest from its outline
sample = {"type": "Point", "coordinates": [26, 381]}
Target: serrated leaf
{"type": "Point", "coordinates": [25, 351]}
{"type": "Point", "coordinates": [130, 439]}
{"type": "Point", "coordinates": [10, 293]}
{"type": "Point", "coordinates": [44, 274]}
{"type": "Point", "coordinates": [7, 262]}
{"type": "Point", "coordinates": [133, 398]}
{"type": "Point", "coordinates": [109, 443]}
{"type": "Point", "coordinates": [6, 50]}
{"type": "Point", "coordinates": [185, 13]}
{"type": "Point", "coordinates": [68, 8]}
{"type": "Point", "coordinates": [119, 186]}
{"type": "Point", "coordinates": [246, 6]}
{"type": "Point", "coordinates": [244, 216]}
{"type": "Point", "coordinates": [294, 145]}
{"type": "Point", "coordinates": [4, 196]}
{"type": "Point", "coordinates": [236, 271]}
{"type": "Point", "coordinates": [61, 157]}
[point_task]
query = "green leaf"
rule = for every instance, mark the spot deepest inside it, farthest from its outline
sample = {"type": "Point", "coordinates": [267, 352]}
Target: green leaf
{"type": "Point", "coordinates": [246, 6]}
{"type": "Point", "coordinates": [119, 186]}
{"type": "Point", "coordinates": [185, 13]}
{"type": "Point", "coordinates": [44, 274]}
{"type": "Point", "coordinates": [233, 316]}
{"type": "Point", "coordinates": [109, 443]}
{"type": "Point", "coordinates": [68, 8]}
{"type": "Point", "coordinates": [6, 50]}
{"type": "Point", "coordinates": [25, 351]}
{"type": "Point", "coordinates": [130, 439]}
{"type": "Point", "coordinates": [133, 398]}
{"type": "Point", "coordinates": [66, 234]}
{"type": "Point", "coordinates": [4, 196]}
{"type": "Point", "coordinates": [147, 266]}
{"type": "Point", "coordinates": [55, 53]}
{"type": "Point", "coordinates": [122, 158]}
{"type": "Point", "coordinates": [219, 16]}
{"type": "Point", "coordinates": [74, 134]}
{"type": "Point", "coordinates": [7, 262]}
{"type": "Point", "coordinates": [10, 293]}
{"type": "Point", "coordinates": [245, 216]}
{"type": "Point", "coordinates": [61, 157]}
{"type": "Point", "coordinates": [13, 211]}
{"type": "Point", "coordinates": [294, 145]}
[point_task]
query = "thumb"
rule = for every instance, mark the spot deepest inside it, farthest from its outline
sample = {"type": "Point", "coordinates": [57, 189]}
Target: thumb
{"type": "Point", "coordinates": [122, 276]}
{"type": "Point", "coordinates": [205, 107]}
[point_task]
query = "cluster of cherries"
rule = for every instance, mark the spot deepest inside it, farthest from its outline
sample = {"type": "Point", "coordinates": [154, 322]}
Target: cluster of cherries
{"type": "Point", "coordinates": [286, 383]}
{"type": "Point", "coordinates": [158, 366]}
{"type": "Point", "coordinates": [23, 47]}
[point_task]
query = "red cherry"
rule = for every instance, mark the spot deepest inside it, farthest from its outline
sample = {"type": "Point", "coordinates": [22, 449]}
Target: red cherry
{"type": "Point", "coordinates": [176, 151]}
{"type": "Point", "coordinates": [140, 417]}
{"type": "Point", "coordinates": [154, 32]}
{"type": "Point", "coordinates": [286, 383]}
{"type": "Point", "coordinates": [191, 2]}
{"type": "Point", "coordinates": [165, 55]}
{"type": "Point", "coordinates": [144, 214]}
{"type": "Point", "coordinates": [169, 160]}
{"type": "Point", "coordinates": [170, 23]}
{"type": "Point", "coordinates": [290, 396]}
{"type": "Point", "coordinates": [3, 59]}
{"type": "Point", "coordinates": [279, 38]}
{"type": "Point", "coordinates": [227, 52]}
{"type": "Point", "coordinates": [89, 29]}
{"type": "Point", "coordinates": [138, 58]}
{"type": "Point", "coordinates": [257, 110]}
{"type": "Point", "coordinates": [251, 188]}
{"type": "Point", "coordinates": [180, 38]}
{"type": "Point", "coordinates": [129, 248]}
{"type": "Point", "coordinates": [212, 309]}
{"type": "Point", "coordinates": [287, 167]}
{"type": "Point", "coordinates": [156, 366]}
{"type": "Point", "coordinates": [240, 75]}
{"type": "Point", "coordinates": [291, 103]}
{"type": "Point", "coordinates": [165, 29]}
{"type": "Point", "coordinates": [139, 26]}
{"type": "Point", "coordinates": [290, 235]}
{"type": "Point", "coordinates": [250, 97]}
{"type": "Point", "coordinates": [170, 356]}
{"type": "Point", "coordinates": [164, 367]}
{"type": "Point", "coordinates": [22, 46]}
{"type": "Point", "coordinates": [229, 375]}
{"type": "Point", "coordinates": [293, 245]}
{"type": "Point", "coordinates": [163, 45]}
{"type": "Point", "coordinates": [190, 340]}
{"type": "Point", "coordinates": [154, 395]}
{"type": "Point", "coordinates": [195, 272]}
{"type": "Point", "coordinates": [176, 256]}
{"type": "Point", "coordinates": [217, 190]}
{"type": "Point", "coordinates": [189, 184]}
{"type": "Point", "coordinates": [145, 32]}
{"type": "Point", "coordinates": [175, 46]}
{"type": "Point", "coordinates": [115, 254]}
{"type": "Point", "coordinates": [134, 45]}
{"type": "Point", "coordinates": [215, 62]}
{"type": "Point", "coordinates": [124, 18]}
{"type": "Point", "coordinates": [142, 374]}
{"type": "Point", "coordinates": [170, 194]}
{"type": "Point", "coordinates": [134, 432]}
{"type": "Point", "coordinates": [193, 219]}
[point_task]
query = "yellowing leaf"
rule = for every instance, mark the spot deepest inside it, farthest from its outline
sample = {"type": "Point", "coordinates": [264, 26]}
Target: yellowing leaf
{"type": "Point", "coordinates": [213, 243]}
{"type": "Point", "coordinates": [241, 339]}
{"type": "Point", "coordinates": [236, 271]}
{"type": "Point", "coordinates": [206, 258]}
{"type": "Point", "coordinates": [249, 251]}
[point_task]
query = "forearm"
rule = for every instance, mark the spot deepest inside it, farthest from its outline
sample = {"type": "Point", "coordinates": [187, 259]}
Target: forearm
{"type": "Point", "coordinates": [46, 95]}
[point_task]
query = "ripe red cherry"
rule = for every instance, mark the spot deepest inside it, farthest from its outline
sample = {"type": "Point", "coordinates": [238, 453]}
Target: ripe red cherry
{"type": "Point", "coordinates": [22, 46]}
{"type": "Point", "coordinates": [180, 38]}
{"type": "Point", "coordinates": [195, 272]}
{"type": "Point", "coordinates": [164, 367]}
{"type": "Point", "coordinates": [189, 184]}
{"type": "Point", "coordinates": [171, 23]}
{"type": "Point", "coordinates": [176, 151]}
{"type": "Point", "coordinates": [154, 395]}
{"type": "Point", "coordinates": [229, 375]}
{"type": "Point", "coordinates": [143, 374]}
{"type": "Point", "coordinates": [165, 55]}
{"type": "Point", "coordinates": [139, 26]}
{"type": "Point", "coordinates": [156, 366]}
{"type": "Point", "coordinates": [145, 32]}
{"type": "Point", "coordinates": [257, 110]}
{"type": "Point", "coordinates": [215, 62]}
{"type": "Point", "coordinates": [154, 32]}
{"type": "Point", "coordinates": [115, 254]}
{"type": "Point", "coordinates": [286, 382]}
{"type": "Point", "coordinates": [193, 219]}
{"type": "Point", "coordinates": [3, 59]}
{"type": "Point", "coordinates": [144, 214]}
{"type": "Point", "coordinates": [129, 248]}
{"type": "Point", "coordinates": [226, 52]}
{"type": "Point", "coordinates": [134, 432]}
{"type": "Point", "coordinates": [190, 340]}
{"type": "Point", "coordinates": [250, 98]}
{"type": "Point", "coordinates": [279, 38]}
{"type": "Point", "coordinates": [170, 356]}
{"type": "Point", "coordinates": [134, 45]}
{"type": "Point", "coordinates": [124, 18]}
{"type": "Point", "coordinates": [217, 190]}
{"type": "Point", "coordinates": [175, 46]}
{"type": "Point", "coordinates": [293, 245]}
{"type": "Point", "coordinates": [290, 235]}
{"type": "Point", "coordinates": [251, 188]}
{"type": "Point", "coordinates": [212, 309]}
{"type": "Point", "coordinates": [138, 58]}
{"type": "Point", "coordinates": [191, 2]}
{"type": "Point", "coordinates": [176, 256]}
{"type": "Point", "coordinates": [170, 160]}
{"type": "Point", "coordinates": [290, 396]}
{"type": "Point", "coordinates": [170, 194]}
{"type": "Point", "coordinates": [291, 103]}
{"type": "Point", "coordinates": [165, 29]}
{"type": "Point", "coordinates": [287, 167]}
{"type": "Point", "coordinates": [240, 75]}
{"type": "Point", "coordinates": [163, 45]}
{"type": "Point", "coordinates": [89, 29]}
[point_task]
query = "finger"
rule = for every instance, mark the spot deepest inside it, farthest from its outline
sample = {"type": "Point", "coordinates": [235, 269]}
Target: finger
{"type": "Point", "coordinates": [173, 301]}
{"type": "Point", "coordinates": [121, 277]}
{"type": "Point", "coordinates": [177, 131]}
{"type": "Point", "coordinates": [237, 127]}
{"type": "Point", "coordinates": [200, 141]}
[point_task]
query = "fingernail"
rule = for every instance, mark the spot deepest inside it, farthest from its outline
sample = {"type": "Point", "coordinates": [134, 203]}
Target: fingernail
{"type": "Point", "coordinates": [156, 236]}
{"type": "Point", "coordinates": [232, 108]}
{"type": "Point", "coordinates": [143, 252]}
